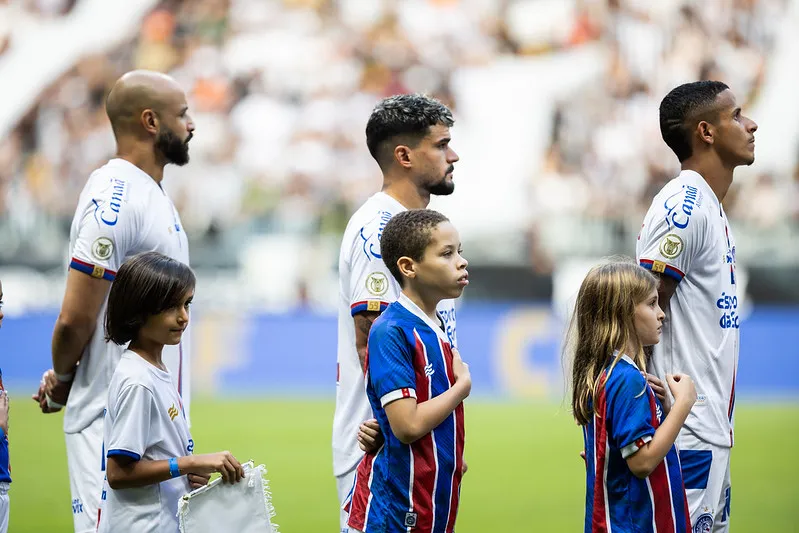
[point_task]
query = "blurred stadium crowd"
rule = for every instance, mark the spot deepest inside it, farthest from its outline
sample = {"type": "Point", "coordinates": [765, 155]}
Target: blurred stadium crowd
{"type": "Point", "coordinates": [280, 91]}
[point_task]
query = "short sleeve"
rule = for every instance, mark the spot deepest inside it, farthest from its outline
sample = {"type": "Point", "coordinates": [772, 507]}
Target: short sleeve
{"type": "Point", "coordinates": [629, 410]}
{"type": "Point", "coordinates": [390, 364]}
{"type": "Point", "coordinates": [129, 420]}
{"type": "Point", "coordinates": [672, 235]}
{"type": "Point", "coordinates": [106, 233]}
{"type": "Point", "coordinates": [372, 286]}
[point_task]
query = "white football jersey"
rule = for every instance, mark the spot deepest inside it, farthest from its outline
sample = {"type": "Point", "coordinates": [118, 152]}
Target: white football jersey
{"type": "Point", "coordinates": [145, 420]}
{"type": "Point", "coordinates": [121, 212]}
{"type": "Point", "coordinates": [685, 235]}
{"type": "Point", "coordinates": [365, 284]}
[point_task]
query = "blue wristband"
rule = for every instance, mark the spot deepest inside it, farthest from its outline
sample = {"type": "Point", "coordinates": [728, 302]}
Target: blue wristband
{"type": "Point", "coordinates": [174, 471]}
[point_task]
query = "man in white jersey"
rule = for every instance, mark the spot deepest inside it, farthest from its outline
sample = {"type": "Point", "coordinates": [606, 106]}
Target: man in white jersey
{"type": "Point", "coordinates": [122, 211]}
{"type": "Point", "coordinates": [687, 241]}
{"type": "Point", "coordinates": [408, 136]}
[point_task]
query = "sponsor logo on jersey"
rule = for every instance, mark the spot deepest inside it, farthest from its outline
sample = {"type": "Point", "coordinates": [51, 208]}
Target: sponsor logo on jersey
{"type": "Point", "coordinates": [371, 242]}
{"type": "Point", "coordinates": [410, 519]}
{"type": "Point", "coordinates": [678, 214]}
{"type": "Point", "coordinates": [172, 412]}
{"type": "Point", "coordinates": [671, 246]}
{"type": "Point", "coordinates": [429, 370]}
{"type": "Point", "coordinates": [102, 248]}
{"type": "Point", "coordinates": [729, 304]}
{"type": "Point", "coordinates": [377, 283]}
{"type": "Point", "coordinates": [77, 506]}
{"type": "Point", "coordinates": [107, 211]}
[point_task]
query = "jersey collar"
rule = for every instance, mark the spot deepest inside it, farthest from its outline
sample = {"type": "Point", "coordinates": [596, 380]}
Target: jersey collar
{"type": "Point", "coordinates": [131, 168]}
{"type": "Point", "coordinates": [388, 198]}
{"type": "Point", "coordinates": [406, 302]}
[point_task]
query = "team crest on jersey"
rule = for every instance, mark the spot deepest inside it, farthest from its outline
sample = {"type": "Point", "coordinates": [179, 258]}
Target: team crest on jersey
{"type": "Point", "coordinates": [704, 524]}
{"type": "Point", "coordinates": [671, 246]}
{"type": "Point", "coordinates": [102, 248]}
{"type": "Point", "coordinates": [377, 283]}
{"type": "Point", "coordinates": [172, 412]}
{"type": "Point", "coordinates": [410, 519]}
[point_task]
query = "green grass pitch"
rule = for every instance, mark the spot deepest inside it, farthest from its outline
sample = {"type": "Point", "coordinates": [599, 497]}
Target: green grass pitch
{"type": "Point", "coordinates": [525, 474]}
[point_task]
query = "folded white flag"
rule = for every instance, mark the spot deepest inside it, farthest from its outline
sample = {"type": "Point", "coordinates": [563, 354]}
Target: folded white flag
{"type": "Point", "coordinates": [244, 507]}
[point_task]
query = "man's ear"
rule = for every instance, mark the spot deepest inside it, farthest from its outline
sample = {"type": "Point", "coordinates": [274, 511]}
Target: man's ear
{"type": "Point", "coordinates": [150, 121]}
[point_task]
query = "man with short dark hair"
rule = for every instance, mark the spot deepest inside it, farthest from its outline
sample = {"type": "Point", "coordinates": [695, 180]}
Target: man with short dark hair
{"type": "Point", "coordinates": [408, 135]}
{"type": "Point", "coordinates": [687, 242]}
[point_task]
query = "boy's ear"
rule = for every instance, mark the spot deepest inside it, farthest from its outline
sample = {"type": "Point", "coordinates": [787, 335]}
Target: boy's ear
{"type": "Point", "coordinates": [407, 267]}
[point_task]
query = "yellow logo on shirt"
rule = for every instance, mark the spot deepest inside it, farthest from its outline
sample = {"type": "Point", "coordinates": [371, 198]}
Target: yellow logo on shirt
{"type": "Point", "coordinates": [173, 412]}
{"type": "Point", "coordinates": [658, 266]}
{"type": "Point", "coordinates": [97, 272]}
{"type": "Point", "coordinates": [671, 246]}
{"type": "Point", "coordinates": [373, 305]}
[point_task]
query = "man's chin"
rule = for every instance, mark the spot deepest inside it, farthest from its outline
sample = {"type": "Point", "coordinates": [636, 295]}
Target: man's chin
{"type": "Point", "coordinates": [442, 189]}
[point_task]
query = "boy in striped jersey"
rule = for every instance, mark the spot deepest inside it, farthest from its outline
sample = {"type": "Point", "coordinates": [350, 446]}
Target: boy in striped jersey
{"type": "Point", "coordinates": [416, 384]}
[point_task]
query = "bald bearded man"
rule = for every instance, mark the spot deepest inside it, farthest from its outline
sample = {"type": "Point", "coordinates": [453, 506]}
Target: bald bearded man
{"type": "Point", "coordinates": [122, 211]}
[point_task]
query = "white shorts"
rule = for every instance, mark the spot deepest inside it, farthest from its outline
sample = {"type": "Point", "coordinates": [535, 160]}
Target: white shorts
{"type": "Point", "coordinates": [4, 507]}
{"type": "Point", "coordinates": [706, 475]}
{"type": "Point", "coordinates": [86, 473]}
{"type": "Point", "coordinates": [344, 486]}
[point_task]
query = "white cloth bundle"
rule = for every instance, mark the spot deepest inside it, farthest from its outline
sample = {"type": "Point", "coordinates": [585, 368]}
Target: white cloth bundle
{"type": "Point", "coordinates": [244, 507]}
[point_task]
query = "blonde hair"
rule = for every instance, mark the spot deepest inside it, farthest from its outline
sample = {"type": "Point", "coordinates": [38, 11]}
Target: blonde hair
{"type": "Point", "coordinates": [603, 324]}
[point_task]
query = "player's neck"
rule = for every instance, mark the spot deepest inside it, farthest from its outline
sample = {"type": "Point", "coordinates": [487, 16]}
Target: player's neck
{"type": "Point", "coordinates": [144, 158]}
{"type": "Point", "coordinates": [426, 303]}
{"type": "Point", "coordinates": [406, 193]}
{"type": "Point", "coordinates": [716, 175]}
{"type": "Point", "coordinates": [149, 351]}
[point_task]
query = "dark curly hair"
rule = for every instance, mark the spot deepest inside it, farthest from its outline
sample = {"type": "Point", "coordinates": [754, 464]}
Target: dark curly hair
{"type": "Point", "coordinates": [403, 119]}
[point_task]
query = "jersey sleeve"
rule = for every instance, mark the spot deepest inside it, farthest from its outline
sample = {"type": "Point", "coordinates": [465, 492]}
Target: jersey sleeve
{"type": "Point", "coordinates": [372, 286]}
{"type": "Point", "coordinates": [129, 433]}
{"type": "Point", "coordinates": [107, 232]}
{"type": "Point", "coordinates": [629, 411]}
{"type": "Point", "coordinates": [672, 236]}
{"type": "Point", "coordinates": [390, 364]}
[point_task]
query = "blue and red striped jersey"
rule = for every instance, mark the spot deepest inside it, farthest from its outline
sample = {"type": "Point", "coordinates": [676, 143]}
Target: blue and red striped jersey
{"type": "Point", "coordinates": [626, 415]}
{"type": "Point", "coordinates": [409, 487]}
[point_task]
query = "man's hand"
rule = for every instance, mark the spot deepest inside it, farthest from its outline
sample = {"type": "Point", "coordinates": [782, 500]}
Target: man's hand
{"type": "Point", "coordinates": [370, 439]}
{"type": "Point", "coordinates": [56, 390]}
{"type": "Point", "coordinates": [198, 480]}
{"type": "Point", "coordinates": [465, 468]}
{"type": "Point", "coordinates": [4, 411]}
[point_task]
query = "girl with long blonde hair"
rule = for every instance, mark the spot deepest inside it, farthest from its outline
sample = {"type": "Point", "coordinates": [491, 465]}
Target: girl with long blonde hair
{"type": "Point", "coordinates": [634, 482]}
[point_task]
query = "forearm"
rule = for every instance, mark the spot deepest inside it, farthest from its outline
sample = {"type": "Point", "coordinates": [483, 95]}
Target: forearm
{"type": "Point", "coordinates": [143, 472]}
{"type": "Point", "coordinates": [652, 453]}
{"type": "Point", "coordinates": [69, 341]}
{"type": "Point", "coordinates": [362, 357]}
{"type": "Point", "coordinates": [429, 415]}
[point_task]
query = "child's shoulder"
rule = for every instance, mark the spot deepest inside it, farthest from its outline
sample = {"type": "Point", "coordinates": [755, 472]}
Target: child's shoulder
{"type": "Point", "coordinates": [131, 370]}
{"type": "Point", "coordinates": [626, 376]}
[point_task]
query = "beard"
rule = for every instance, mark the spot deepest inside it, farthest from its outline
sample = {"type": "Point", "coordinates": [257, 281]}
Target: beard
{"type": "Point", "coordinates": [175, 151]}
{"type": "Point", "coordinates": [443, 187]}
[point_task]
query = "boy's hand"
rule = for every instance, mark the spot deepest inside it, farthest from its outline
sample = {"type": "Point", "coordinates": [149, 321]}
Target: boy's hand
{"type": "Point", "coordinates": [198, 480]}
{"type": "Point", "coordinates": [660, 391]}
{"type": "Point", "coordinates": [682, 388]}
{"type": "Point", "coordinates": [370, 439]}
{"type": "Point", "coordinates": [4, 411]}
{"type": "Point", "coordinates": [461, 371]}
{"type": "Point", "coordinates": [222, 462]}
{"type": "Point", "coordinates": [465, 468]}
